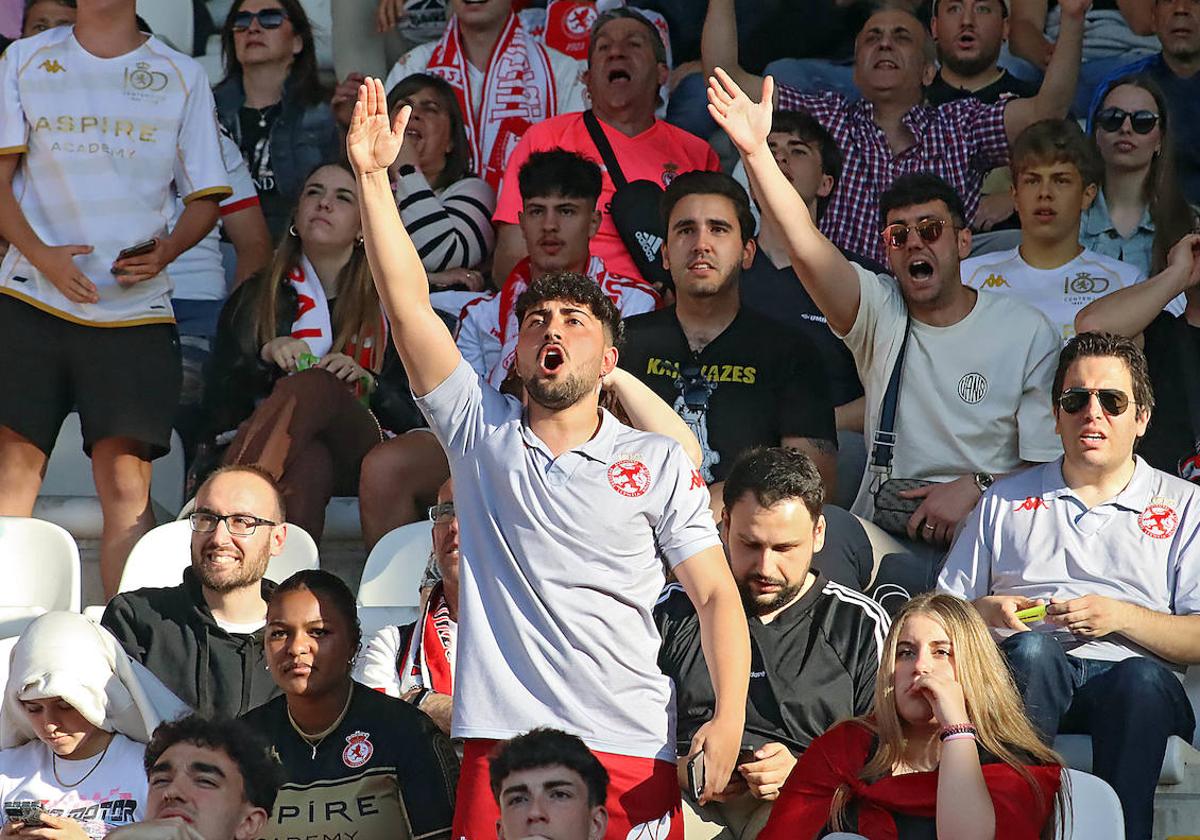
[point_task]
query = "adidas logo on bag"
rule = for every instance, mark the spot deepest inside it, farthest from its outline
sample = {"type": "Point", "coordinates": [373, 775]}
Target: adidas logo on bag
{"type": "Point", "coordinates": [650, 244]}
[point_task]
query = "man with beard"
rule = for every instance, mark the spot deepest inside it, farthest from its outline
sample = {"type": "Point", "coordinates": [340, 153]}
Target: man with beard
{"type": "Point", "coordinates": [815, 644]}
{"type": "Point", "coordinates": [969, 35]}
{"type": "Point", "coordinates": [566, 516]}
{"type": "Point", "coordinates": [204, 638]}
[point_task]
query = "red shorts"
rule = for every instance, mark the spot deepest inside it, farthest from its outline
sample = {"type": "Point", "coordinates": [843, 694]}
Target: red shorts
{"type": "Point", "coordinates": [643, 794]}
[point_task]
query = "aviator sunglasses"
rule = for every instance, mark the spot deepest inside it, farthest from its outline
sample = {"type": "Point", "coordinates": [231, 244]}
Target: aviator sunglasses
{"type": "Point", "coordinates": [1111, 120]}
{"type": "Point", "coordinates": [1074, 400]}
{"type": "Point", "coordinates": [267, 19]}
{"type": "Point", "coordinates": [930, 230]}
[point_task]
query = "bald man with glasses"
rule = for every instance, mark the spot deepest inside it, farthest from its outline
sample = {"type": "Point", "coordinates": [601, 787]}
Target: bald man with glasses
{"type": "Point", "coordinates": [204, 637]}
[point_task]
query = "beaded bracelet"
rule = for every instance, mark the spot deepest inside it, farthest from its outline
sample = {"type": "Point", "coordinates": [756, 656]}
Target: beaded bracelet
{"type": "Point", "coordinates": [958, 736]}
{"type": "Point", "coordinates": [958, 729]}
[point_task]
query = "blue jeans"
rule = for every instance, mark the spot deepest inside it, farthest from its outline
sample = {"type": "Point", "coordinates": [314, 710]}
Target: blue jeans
{"type": "Point", "coordinates": [813, 75]}
{"type": "Point", "coordinates": [1130, 708]}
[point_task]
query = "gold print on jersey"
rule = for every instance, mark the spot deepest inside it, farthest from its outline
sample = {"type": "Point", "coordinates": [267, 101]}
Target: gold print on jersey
{"type": "Point", "coordinates": [51, 65]}
{"type": "Point", "coordinates": [144, 84]}
{"type": "Point", "coordinates": [745, 374]}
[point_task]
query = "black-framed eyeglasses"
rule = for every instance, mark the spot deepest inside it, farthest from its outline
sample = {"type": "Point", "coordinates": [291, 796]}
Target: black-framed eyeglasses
{"type": "Point", "coordinates": [930, 230]}
{"type": "Point", "coordinates": [441, 514]}
{"type": "Point", "coordinates": [239, 524]}
{"type": "Point", "coordinates": [1111, 120]}
{"type": "Point", "coordinates": [695, 388]}
{"type": "Point", "coordinates": [267, 19]}
{"type": "Point", "coordinates": [1113, 401]}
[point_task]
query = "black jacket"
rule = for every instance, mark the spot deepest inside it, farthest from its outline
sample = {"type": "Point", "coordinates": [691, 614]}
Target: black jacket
{"type": "Point", "coordinates": [173, 633]}
{"type": "Point", "coordinates": [238, 378]}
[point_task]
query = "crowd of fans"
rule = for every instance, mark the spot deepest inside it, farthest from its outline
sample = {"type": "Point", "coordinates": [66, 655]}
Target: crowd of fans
{"type": "Point", "coordinates": [657, 313]}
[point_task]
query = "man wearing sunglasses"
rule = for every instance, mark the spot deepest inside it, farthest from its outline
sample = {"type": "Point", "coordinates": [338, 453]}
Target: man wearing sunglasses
{"type": "Point", "coordinates": [416, 661]}
{"type": "Point", "coordinates": [204, 637]}
{"type": "Point", "coordinates": [1176, 69]}
{"type": "Point", "coordinates": [1105, 544]}
{"type": "Point", "coordinates": [971, 402]}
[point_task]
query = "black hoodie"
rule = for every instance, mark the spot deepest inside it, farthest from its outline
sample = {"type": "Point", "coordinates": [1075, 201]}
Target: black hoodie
{"type": "Point", "coordinates": [173, 633]}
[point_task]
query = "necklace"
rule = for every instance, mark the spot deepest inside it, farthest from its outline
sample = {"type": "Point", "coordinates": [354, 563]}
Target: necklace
{"type": "Point", "coordinates": [57, 778]}
{"type": "Point", "coordinates": [315, 740]}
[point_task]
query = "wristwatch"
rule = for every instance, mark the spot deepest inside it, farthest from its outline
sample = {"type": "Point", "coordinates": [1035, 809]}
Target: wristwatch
{"type": "Point", "coordinates": [405, 169]}
{"type": "Point", "coordinates": [983, 481]}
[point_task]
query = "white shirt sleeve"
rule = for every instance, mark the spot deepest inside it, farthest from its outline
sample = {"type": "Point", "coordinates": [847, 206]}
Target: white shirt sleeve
{"type": "Point", "coordinates": [463, 410]}
{"type": "Point", "coordinates": [14, 129]}
{"type": "Point", "coordinates": [474, 338]}
{"type": "Point", "coordinates": [200, 169]}
{"type": "Point", "coordinates": [685, 527]}
{"type": "Point", "coordinates": [968, 569]}
{"type": "Point", "coordinates": [1037, 442]}
{"type": "Point", "coordinates": [238, 175]}
{"type": "Point", "coordinates": [376, 667]}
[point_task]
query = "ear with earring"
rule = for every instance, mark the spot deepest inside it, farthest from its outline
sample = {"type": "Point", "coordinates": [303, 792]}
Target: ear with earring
{"type": "Point", "coordinates": [292, 232]}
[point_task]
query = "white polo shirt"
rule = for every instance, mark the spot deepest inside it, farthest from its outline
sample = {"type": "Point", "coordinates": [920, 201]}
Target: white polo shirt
{"type": "Point", "coordinates": [1031, 536]}
{"type": "Point", "coordinates": [562, 562]}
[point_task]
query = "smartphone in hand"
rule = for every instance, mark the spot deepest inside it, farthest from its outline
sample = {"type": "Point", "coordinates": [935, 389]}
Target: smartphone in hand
{"type": "Point", "coordinates": [695, 774]}
{"type": "Point", "coordinates": [135, 251]}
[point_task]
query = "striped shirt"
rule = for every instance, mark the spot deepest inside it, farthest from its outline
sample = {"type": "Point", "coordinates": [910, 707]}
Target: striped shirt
{"type": "Point", "coordinates": [450, 229]}
{"type": "Point", "coordinates": [961, 142]}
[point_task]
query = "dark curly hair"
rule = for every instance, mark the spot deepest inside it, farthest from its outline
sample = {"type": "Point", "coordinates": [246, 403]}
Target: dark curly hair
{"type": "Point", "coordinates": [576, 288]}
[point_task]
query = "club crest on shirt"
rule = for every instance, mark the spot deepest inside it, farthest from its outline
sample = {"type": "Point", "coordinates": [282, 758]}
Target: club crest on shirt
{"type": "Point", "coordinates": [1158, 521]}
{"type": "Point", "coordinates": [670, 170]}
{"type": "Point", "coordinates": [629, 477]}
{"type": "Point", "coordinates": [359, 749]}
{"type": "Point", "coordinates": [972, 388]}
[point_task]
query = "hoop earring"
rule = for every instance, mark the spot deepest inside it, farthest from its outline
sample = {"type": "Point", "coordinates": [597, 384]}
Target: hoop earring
{"type": "Point", "coordinates": [292, 232]}
{"type": "Point", "coordinates": [358, 241]}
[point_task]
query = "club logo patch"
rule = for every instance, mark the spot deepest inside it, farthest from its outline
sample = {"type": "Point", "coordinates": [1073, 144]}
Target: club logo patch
{"type": "Point", "coordinates": [972, 388]}
{"type": "Point", "coordinates": [359, 750]}
{"type": "Point", "coordinates": [1158, 521]}
{"type": "Point", "coordinates": [629, 477]}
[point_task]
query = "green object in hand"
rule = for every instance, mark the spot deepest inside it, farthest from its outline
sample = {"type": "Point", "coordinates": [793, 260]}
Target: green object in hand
{"type": "Point", "coordinates": [1032, 614]}
{"type": "Point", "coordinates": [306, 360]}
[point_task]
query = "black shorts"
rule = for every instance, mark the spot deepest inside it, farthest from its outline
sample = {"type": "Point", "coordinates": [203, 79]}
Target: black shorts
{"type": "Point", "coordinates": [123, 380]}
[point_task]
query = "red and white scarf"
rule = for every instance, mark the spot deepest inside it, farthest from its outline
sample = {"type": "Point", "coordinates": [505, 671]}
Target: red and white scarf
{"type": "Point", "coordinates": [314, 320]}
{"type": "Point", "coordinates": [630, 296]}
{"type": "Point", "coordinates": [518, 91]}
{"type": "Point", "coordinates": [427, 661]}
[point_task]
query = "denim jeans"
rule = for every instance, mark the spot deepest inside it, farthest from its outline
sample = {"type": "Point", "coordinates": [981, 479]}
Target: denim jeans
{"type": "Point", "coordinates": [1130, 708]}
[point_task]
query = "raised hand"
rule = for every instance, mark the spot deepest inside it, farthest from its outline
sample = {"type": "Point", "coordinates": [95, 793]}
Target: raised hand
{"type": "Point", "coordinates": [746, 122]}
{"type": "Point", "coordinates": [373, 140]}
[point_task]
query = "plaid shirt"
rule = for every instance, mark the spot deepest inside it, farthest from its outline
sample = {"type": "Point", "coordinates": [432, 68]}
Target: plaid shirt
{"type": "Point", "coordinates": [960, 141]}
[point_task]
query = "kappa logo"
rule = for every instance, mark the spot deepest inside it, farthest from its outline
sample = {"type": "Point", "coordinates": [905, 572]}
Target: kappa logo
{"type": "Point", "coordinates": [51, 65]}
{"type": "Point", "coordinates": [1085, 284]}
{"type": "Point", "coordinates": [995, 281]}
{"type": "Point", "coordinates": [650, 244]}
{"type": "Point", "coordinates": [972, 388]}
{"type": "Point", "coordinates": [697, 480]}
{"type": "Point", "coordinates": [1032, 503]}
{"type": "Point", "coordinates": [359, 749]}
{"type": "Point", "coordinates": [1158, 521]}
{"type": "Point", "coordinates": [629, 477]}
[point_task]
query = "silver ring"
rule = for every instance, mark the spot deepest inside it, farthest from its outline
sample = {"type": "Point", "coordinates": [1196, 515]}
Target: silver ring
{"type": "Point", "coordinates": [928, 527]}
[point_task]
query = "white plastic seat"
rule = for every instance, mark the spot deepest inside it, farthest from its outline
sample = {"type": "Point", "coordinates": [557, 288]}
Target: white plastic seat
{"type": "Point", "coordinates": [39, 564]}
{"type": "Point", "coordinates": [388, 592]}
{"type": "Point", "coordinates": [159, 558]}
{"type": "Point", "coordinates": [171, 21]}
{"type": "Point", "coordinates": [1095, 812]}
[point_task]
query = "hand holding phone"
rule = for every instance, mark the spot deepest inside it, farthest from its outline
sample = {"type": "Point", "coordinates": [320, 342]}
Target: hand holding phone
{"type": "Point", "coordinates": [28, 812]}
{"type": "Point", "coordinates": [695, 774]}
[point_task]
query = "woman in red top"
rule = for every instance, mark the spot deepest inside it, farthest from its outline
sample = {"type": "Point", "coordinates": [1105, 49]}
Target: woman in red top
{"type": "Point", "coordinates": [946, 752]}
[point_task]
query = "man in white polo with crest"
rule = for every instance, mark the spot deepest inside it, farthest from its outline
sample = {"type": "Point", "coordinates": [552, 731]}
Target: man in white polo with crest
{"type": "Point", "coordinates": [1095, 553]}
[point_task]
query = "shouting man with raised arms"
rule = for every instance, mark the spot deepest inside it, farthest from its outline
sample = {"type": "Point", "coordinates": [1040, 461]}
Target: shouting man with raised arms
{"type": "Point", "coordinates": [565, 512]}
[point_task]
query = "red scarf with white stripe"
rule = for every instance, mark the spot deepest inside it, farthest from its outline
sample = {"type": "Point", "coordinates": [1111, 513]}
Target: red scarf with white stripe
{"type": "Point", "coordinates": [426, 662]}
{"type": "Point", "coordinates": [518, 91]}
{"type": "Point", "coordinates": [314, 321]}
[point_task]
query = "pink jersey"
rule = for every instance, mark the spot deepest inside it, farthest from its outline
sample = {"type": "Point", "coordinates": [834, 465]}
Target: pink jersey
{"type": "Point", "coordinates": [658, 154]}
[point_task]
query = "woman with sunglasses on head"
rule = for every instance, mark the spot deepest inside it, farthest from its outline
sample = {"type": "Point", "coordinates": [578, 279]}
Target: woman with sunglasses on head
{"type": "Point", "coordinates": [356, 760]}
{"type": "Point", "coordinates": [272, 103]}
{"type": "Point", "coordinates": [1140, 211]}
{"type": "Point", "coordinates": [302, 379]}
{"type": "Point", "coordinates": [947, 750]}
{"type": "Point", "coordinates": [76, 717]}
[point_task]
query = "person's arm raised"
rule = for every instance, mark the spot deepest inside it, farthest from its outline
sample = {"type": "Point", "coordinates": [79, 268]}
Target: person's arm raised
{"type": "Point", "coordinates": [1062, 75]}
{"type": "Point", "coordinates": [719, 45]}
{"type": "Point", "coordinates": [826, 274]}
{"type": "Point", "coordinates": [422, 340]}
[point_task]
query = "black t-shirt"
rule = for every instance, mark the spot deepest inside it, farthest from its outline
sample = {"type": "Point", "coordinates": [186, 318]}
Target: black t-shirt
{"type": "Point", "coordinates": [941, 92]}
{"type": "Point", "coordinates": [256, 125]}
{"type": "Point", "coordinates": [777, 293]}
{"type": "Point", "coordinates": [386, 771]}
{"type": "Point", "coordinates": [814, 665]}
{"type": "Point", "coordinates": [753, 385]}
{"type": "Point", "coordinates": [1169, 436]}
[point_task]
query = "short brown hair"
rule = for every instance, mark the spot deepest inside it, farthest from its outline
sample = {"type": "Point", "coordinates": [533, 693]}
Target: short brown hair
{"type": "Point", "coordinates": [1057, 141]}
{"type": "Point", "coordinates": [1091, 344]}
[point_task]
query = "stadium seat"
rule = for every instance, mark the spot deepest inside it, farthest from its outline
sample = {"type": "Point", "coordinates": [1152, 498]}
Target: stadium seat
{"type": "Point", "coordinates": [171, 21]}
{"type": "Point", "coordinates": [388, 591]}
{"type": "Point", "coordinates": [159, 558]}
{"type": "Point", "coordinates": [39, 564]}
{"type": "Point", "coordinates": [1095, 812]}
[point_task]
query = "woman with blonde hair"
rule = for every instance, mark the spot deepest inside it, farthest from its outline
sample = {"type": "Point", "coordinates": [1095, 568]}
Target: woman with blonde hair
{"type": "Point", "coordinates": [947, 750]}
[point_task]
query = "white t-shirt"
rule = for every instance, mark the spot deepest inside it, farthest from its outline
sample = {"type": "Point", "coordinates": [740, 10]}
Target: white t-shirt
{"type": "Point", "coordinates": [562, 563]}
{"type": "Point", "coordinates": [199, 272]}
{"type": "Point", "coordinates": [974, 396]}
{"type": "Point", "coordinates": [378, 665]}
{"type": "Point", "coordinates": [112, 795]}
{"type": "Point", "coordinates": [107, 145]}
{"type": "Point", "coordinates": [1059, 293]}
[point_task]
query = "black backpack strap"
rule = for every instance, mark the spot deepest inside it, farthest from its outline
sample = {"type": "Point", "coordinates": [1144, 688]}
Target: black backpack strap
{"type": "Point", "coordinates": [604, 148]}
{"type": "Point", "coordinates": [884, 440]}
